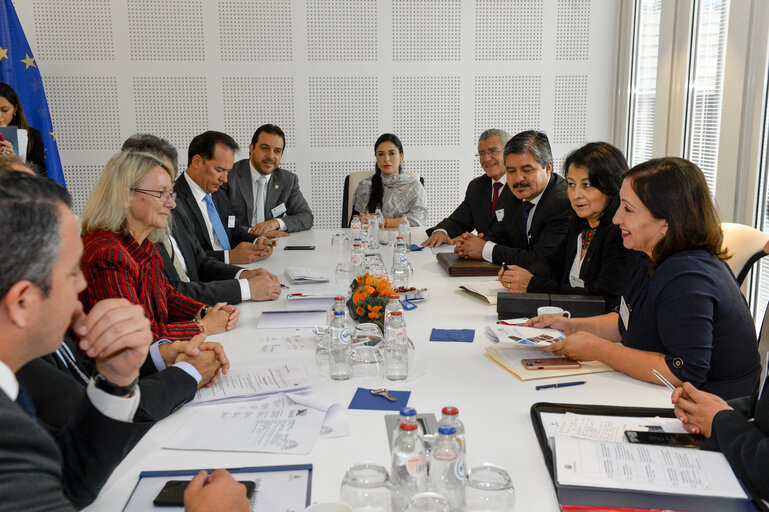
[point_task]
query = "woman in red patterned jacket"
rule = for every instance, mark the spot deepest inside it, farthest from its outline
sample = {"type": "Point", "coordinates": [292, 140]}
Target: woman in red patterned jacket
{"type": "Point", "coordinates": [128, 210]}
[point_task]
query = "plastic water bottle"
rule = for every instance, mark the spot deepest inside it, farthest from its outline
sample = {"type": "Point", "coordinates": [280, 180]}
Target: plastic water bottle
{"type": "Point", "coordinates": [339, 360]}
{"type": "Point", "coordinates": [404, 230]}
{"type": "Point", "coordinates": [451, 418]}
{"type": "Point", "coordinates": [407, 415]}
{"type": "Point", "coordinates": [396, 349]}
{"type": "Point", "coordinates": [357, 257]}
{"type": "Point", "coordinates": [447, 468]}
{"type": "Point", "coordinates": [394, 304]}
{"type": "Point", "coordinates": [400, 269]}
{"type": "Point", "coordinates": [364, 232]}
{"type": "Point", "coordinates": [373, 233]}
{"type": "Point", "coordinates": [408, 474]}
{"type": "Point", "coordinates": [355, 226]}
{"type": "Point", "coordinates": [380, 223]}
{"type": "Point", "coordinates": [340, 304]}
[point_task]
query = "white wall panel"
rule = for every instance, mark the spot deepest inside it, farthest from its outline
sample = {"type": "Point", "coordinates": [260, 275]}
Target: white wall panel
{"type": "Point", "coordinates": [334, 74]}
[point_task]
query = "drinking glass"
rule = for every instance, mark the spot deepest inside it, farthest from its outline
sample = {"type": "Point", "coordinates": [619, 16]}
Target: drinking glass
{"type": "Point", "coordinates": [488, 488]}
{"type": "Point", "coordinates": [341, 247]}
{"type": "Point", "coordinates": [343, 276]}
{"type": "Point", "coordinates": [366, 486]}
{"type": "Point", "coordinates": [428, 502]}
{"type": "Point", "coordinates": [366, 366]}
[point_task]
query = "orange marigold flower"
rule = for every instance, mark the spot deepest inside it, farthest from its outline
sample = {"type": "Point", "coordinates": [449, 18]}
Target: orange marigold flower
{"type": "Point", "coordinates": [374, 308]}
{"type": "Point", "coordinates": [373, 316]}
{"type": "Point", "coordinates": [359, 311]}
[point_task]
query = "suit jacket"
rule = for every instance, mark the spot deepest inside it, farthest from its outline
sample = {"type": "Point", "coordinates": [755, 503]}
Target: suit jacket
{"type": "Point", "coordinates": [604, 268]}
{"type": "Point", "coordinates": [210, 280]}
{"type": "Point", "coordinates": [185, 202]}
{"type": "Point", "coordinates": [36, 151]}
{"type": "Point", "coordinates": [39, 472]}
{"type": "Point", "coordinates": [283, 187]}
{"type": "Point", "coordinates": [161, 392]}
{"type": "Point", "coordinates": [475, 213]}
{"type": "Point", "coordinates": [549, 224]}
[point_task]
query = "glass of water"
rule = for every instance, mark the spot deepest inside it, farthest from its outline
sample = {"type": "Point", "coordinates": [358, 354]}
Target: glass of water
{"type": "Point", "coordinates": [428, 502]}
{"type": "Point", "coordinates": [488, 488]}
{"type": "Point", "coordinates": [366, 486]}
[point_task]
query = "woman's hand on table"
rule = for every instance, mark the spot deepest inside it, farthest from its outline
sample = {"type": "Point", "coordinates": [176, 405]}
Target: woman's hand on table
{"type": "Point", "coordinates": [515, 279]}
{"type": "Point", "coordinates": [696, 409]}
{"type": "Point", "coordinates": [580, 346]}
{"type": "Point", "coordinates": [220, 317]}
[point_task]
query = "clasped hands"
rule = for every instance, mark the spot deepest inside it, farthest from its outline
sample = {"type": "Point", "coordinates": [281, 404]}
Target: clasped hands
{"type": "Point", "coordinates": [469, 246]}
{"type": "Point", "coordinates": [269, 228]}
{"type": "Point", "coordinates": [207, 357]}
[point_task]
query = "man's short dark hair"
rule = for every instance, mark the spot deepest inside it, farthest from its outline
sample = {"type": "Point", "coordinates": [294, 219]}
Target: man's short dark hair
{"type": "Point", "coordinates": [532, 142]}
{"type": "Point", "coordinates": [205, 145]}
{"type": "Point", "coordinates": [148, 143]}
{"type": "Point", "coordinates": [29, 229]}
{"type": "Point", "coordinates": [271, 129]}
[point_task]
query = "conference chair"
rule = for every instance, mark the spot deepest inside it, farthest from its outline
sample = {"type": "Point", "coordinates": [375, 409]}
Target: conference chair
{"type": "Point", "coordinates": [351, 182]}
{"type": "Point", "coordinates": [745, 244]}
{"type": "Point", "coordinates": [763, 337]}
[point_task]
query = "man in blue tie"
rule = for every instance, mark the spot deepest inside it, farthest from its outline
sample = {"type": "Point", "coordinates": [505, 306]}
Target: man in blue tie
{"type": "Point", "coordinates": [209, 160]}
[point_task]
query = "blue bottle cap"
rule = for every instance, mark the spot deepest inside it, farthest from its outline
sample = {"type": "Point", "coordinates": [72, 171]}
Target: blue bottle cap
{"type": "Point", "coordinates": [338, 313]}
{"type": "Point", "coordinates": [447, 429]}
{"type": "Point", "coordinates": [408, 411]}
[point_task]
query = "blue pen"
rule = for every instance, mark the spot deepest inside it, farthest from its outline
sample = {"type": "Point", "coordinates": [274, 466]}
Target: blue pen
{"type": "Point", "coordinates": [561, 385]}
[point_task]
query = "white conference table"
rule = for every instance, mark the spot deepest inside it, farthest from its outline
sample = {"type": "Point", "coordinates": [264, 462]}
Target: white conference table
{"type": "Point", "coordinates": [493, 404]}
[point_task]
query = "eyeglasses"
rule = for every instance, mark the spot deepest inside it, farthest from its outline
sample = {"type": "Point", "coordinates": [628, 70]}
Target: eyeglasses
{"type": "Point", "coordinates": [491, 152]}
{"type": "Point", "coordinates": [159, 194]}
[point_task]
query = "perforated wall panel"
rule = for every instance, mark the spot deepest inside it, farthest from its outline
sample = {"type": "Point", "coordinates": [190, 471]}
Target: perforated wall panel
{"type": "Point", "coordinates": [175, 108]}
{"type": "Point", "coordinates": [258, 30]}
{"type": "Point", "coordinates": [572, 35]}
{"type": "Point", "coordinates": [87, 114]}
{"type": "Point", "coordinates": [441, 178]}
{"type": "Point", "coordinates": [74, 30]}
{"type": "Point", "coordinates": [511, 103]}
{"type": "Point", "coordinates": [344, 111]}
{"type": "Point", "coordinates": [82, 178]}
{"type": "Point", "coordinates": [274, 104]}
{"type": "Point", "coordinates": [342, 30]}
{"type": "Point", "coordinates": [509, 31]}
{"type": "Point", "coordinates": [167, 30]}
{"type": "Point", "coordinates": [427, 30]}
{"type": "Point", "coordinates": [570, 109]}
{"type": "Point", "coordinates": [427, 110]}
{"type": "Point", "coordinates": [327, 188]}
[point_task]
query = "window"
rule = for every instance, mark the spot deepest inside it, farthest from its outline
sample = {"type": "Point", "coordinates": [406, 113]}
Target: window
{"type": "Point", "coordinates": [706, 84]}
{"type": "Point", "coordinates": [644, 80]}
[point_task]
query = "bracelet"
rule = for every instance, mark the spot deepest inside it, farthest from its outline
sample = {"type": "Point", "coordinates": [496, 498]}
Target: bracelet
{"type": "Point", "coordinates": [200, 325]}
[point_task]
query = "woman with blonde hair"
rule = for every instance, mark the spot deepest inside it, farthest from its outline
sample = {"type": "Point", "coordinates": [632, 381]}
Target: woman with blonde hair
{"type": "Point", "coordinates": [129, 209]}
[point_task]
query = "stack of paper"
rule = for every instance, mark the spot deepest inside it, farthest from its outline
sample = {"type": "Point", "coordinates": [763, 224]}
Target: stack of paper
{"type": "Point", "coordinates": [510, 357]}
{"type": "Point", "coordinates": [300, 275]}
{"type": "Point", "coordinates": [254, 381]}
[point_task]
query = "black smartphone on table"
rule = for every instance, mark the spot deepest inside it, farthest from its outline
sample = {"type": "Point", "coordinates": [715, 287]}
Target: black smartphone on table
{"type": "Point", "coordinates": [172, 494]}
{"type": "Point", "coordinates": [299, 248]}
{"type": "Point", "coordinates": [665, 438]}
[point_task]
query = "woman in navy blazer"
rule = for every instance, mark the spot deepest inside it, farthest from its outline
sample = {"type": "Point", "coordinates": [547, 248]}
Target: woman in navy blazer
{"type": "Point", "coordinates": [592, 259]}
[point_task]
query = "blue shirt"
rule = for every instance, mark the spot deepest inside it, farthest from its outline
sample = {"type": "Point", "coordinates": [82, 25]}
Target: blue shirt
{"type": "Point", "coordinates": [692, 311]}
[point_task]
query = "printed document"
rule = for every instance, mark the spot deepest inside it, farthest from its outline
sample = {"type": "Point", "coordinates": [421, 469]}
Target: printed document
{"type": "Point", "coordinates": [245, 383]}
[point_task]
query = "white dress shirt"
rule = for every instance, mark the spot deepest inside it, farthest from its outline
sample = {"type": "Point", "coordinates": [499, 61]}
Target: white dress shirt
{"type": "Point", "coordinates": [199, 194]}
{"type": "Point", "coordinates": [255, 175]}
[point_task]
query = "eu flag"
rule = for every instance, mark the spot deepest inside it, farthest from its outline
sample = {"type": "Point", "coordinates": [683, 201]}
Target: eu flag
{"type": "Point", "coordinates": [19, 70]}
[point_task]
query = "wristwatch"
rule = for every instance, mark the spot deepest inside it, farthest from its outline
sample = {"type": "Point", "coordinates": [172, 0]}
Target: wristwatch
{"type": "Point", "coordinates": [113, 389]}
{"type": "Point", "coordinates": [204, 311]}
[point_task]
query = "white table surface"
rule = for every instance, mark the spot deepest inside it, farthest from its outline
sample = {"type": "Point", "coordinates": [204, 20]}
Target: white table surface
{"type": "Point", "coordinates": [493, 404]}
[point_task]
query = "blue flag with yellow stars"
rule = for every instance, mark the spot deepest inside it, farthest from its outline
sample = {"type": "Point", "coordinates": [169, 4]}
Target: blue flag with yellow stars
{"type": "Point", "coordinates": [18, 69]}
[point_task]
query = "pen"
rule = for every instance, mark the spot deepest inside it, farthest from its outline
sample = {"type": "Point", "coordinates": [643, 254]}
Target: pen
{"type": "Point", "coordinates": [561, 385]}
{"type": "Point", "coordinates": [662, 379]}
{"type": "Point", "coordinates": [283, 286]}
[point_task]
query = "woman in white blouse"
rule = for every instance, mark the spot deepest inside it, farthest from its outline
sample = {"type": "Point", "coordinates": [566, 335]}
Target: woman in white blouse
{"type": "Point", "coordinates": [398, 195]}
{"type": "Point", "coordinates": [594, 260]}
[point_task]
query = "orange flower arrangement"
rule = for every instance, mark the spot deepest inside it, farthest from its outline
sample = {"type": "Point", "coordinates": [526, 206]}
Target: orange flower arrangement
{"type": "Point", "coordinates": [370, 294]}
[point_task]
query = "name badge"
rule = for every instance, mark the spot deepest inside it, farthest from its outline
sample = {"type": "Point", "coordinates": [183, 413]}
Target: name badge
{"type": "Point", "coordinates": [231, 221]}
{"type": "Point", "coordinates": [624, 312]}
{"type": "Point", "coordinates": [279, 210]}
{"type": "Point", "coordinates": [500, 214]}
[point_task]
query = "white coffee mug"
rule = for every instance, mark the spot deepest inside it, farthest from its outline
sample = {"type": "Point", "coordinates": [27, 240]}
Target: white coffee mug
{"type": "Point", "coordinates": [553, 310]}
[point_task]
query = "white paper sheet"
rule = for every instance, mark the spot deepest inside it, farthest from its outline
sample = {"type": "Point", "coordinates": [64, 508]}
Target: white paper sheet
{"type": "Point", "coordinates": [276, 424]}
{"type": "Point", "coordinates": [598, 428]}
{"type": "Point", "coordinates": [647, 468]}
{"type": "Point", "coordinates": [275, 344]}
{"type": "Point", "coordinates": [292, 319]}
{"type": "Point", "coordinates": [244, 383]}
{"type": "Point", "coordinates": [305, 275]}
{"type": "Point", "coordinates": [442, 248]}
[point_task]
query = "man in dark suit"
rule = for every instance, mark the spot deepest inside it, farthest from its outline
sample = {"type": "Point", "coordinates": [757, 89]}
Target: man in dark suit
{"type": "Point", "coordinates": [263, 195]}
{"type": "Point", "coordinates": [40, 279]}
{"type": "Point", "coordinates": [537, 219]}
{"type": "Point", "coordinates": [209, 161]}
{"type": "Point", "coordinates": [187, 266]}
{"type": "Point", "coordinates": [485, 198]}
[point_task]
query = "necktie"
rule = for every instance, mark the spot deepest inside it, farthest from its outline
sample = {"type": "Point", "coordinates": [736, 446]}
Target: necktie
{"type": "Point", "coordinates": [527, 206]}
{"type": "Point", "coordinates": [25, 403]}
{"type": "Point", "coordinates": [176, 262]}
{"type": "Point", "coordinates": [261, 198]}
{"type": "Point", "coordinates": [495, 197]}
{"type": "Point", "coordinates": [216, 223]}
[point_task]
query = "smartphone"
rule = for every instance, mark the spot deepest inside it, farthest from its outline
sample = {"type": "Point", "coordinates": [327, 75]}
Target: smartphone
{"type": "Point", "coordinates": [665, 438]}
{"type": "Point", "coordinates": [550, 363]}
{"type": "Point", "coordinates": [172, 494]}
{"type": "Point", "coordinates": [299, 248]}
